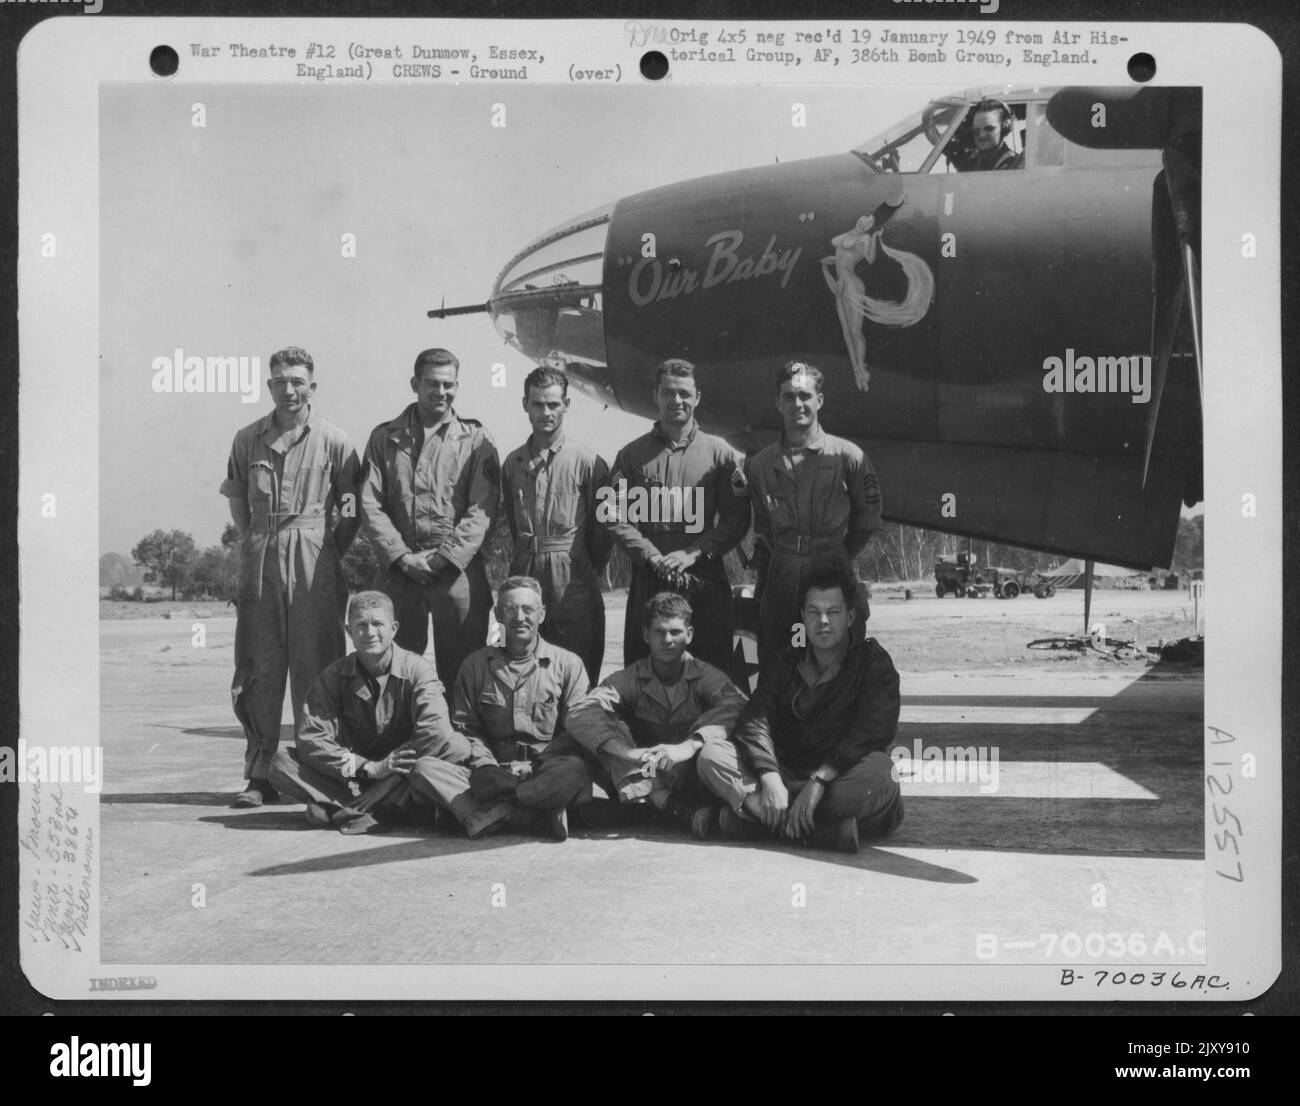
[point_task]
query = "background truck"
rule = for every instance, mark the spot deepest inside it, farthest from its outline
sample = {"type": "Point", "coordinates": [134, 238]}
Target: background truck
{"type": "Point", "coordinates": [961, 576]}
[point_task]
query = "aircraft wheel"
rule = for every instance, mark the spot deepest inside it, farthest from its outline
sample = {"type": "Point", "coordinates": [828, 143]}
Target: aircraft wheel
{"type": "Point", "coordinates": [1040, 592]}
{"type": "Point", "coordinates": [1010, 591]}
{"type": "Point", "coordinates": [1051, 590]}
{"type": "Point", "coordinates": [940, 590]}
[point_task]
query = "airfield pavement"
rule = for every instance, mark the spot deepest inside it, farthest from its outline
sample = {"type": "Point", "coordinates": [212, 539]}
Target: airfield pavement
{"type": "Point", "coordinates": [1098, 782]}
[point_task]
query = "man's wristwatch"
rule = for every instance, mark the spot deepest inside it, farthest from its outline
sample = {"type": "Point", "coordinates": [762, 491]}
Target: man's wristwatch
{"type": "Point", "coordinates": [814, 778]}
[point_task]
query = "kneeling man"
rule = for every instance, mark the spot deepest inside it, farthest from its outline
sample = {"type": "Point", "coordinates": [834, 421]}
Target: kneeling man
{"type": "Point", "coordinates": [647, 723]}
{"type": "Point", "coordinates": [372, 723]}
{"type": "Point", "coordinates": [809, 760]}
{"type": "Point", "coordinates": [511, 702]}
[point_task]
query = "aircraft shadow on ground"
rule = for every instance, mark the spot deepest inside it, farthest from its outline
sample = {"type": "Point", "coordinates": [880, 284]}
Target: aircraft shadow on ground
{"type": "Point", "coordinates": [868, 859]}
{"type": "Point", "coordinates": [168, 798]}
{"type": "Point", "coordinates": [410, 843]}
{"type": "Point", "coordinates": [399, 845]}
{"type": "Point", "coordinates": [1160, 750]}
{"type": "Point", "coordinates": [286, 732]}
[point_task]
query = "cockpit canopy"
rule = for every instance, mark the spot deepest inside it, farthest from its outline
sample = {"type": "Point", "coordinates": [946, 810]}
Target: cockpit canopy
{"type": "Point", "coordinates": [547, 299]}
{"type": "Point", "coordinates": [913, 145]}
{"type": "Point", "coordinates": [940, 137]}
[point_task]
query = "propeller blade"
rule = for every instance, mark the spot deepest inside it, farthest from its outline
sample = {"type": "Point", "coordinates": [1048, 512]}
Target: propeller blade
{"type": "Point", "coordinates": [1183, 186]}
{"type": "Point", "coordinates": [1185, 197]}
{"type": "Point", "coordinates": [1164, 348]}
{"type": "Point", "coordinates": [1192, 278]}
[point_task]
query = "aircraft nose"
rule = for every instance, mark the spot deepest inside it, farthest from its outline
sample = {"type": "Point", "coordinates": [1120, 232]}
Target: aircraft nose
{"type": "Point", "coordinates": [548, 298]}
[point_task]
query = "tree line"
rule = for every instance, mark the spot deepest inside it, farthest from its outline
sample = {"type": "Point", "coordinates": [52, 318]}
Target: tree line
{"type": "Point", "coordinates": [171, 559]}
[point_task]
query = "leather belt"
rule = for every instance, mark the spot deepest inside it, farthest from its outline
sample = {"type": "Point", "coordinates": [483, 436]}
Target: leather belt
{"type": "Point", "coordinates": [557, 544]}
{"type": "Point", "coordinates": [275, 523]}
{"type": "Point", "coordinates": [803, 545]}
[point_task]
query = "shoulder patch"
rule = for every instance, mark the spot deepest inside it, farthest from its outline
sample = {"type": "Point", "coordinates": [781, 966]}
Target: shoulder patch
{"type": "Point", "coordinates": [739, 484]}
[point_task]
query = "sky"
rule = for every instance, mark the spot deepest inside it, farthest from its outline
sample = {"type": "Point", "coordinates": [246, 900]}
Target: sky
{"type": "Point", "coordinates": [227, 240]}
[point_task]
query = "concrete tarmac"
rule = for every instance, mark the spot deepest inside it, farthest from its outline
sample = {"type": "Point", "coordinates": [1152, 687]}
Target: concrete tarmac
{"type": "Point", "coordinates": [1096, 785]}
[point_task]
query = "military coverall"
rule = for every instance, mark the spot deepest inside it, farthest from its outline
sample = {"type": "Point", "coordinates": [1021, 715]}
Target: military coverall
{"type": "Point", "coordinates": [512, 713]}
{"type": "Point", "coordinates": [550, 503]}
{"type": "Point", "coordinates": [292, 594]}
{"type": "Point", "coordinates": [430, 492]}
{"type": "Point", "coordinates": [808, 516]}
{"type": "Point", "coordinates": [352, 717]}
{"type": "Point", "coordinates": [710, 466]}
{"type": "Point", "coordinates": [800, 719]}
{"type": "Point", "coordinates": [633, 709]}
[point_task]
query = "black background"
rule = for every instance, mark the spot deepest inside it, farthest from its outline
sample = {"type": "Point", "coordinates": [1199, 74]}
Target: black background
{"type": "Point", "coordinates": [1048, 1053]}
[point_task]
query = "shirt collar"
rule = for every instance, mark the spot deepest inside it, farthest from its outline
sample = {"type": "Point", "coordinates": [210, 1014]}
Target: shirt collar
{"type": "Point", "coordinates": [554, 447]}
{"type": "Point", "coordinates": [808, 671]}
{"type": "Point", "coordinates": [500, 656]}
{"type": "Point", "coordinates": [528, 457]}
{"type": "Point", "coordinates": [408, 422]}
{"type": "Point", "coordinates": [443, 425]}
{"type": "Point", "coordinates": [816, 443]}
{"type": "Point", "coordinates": [361, 677]}
{"type": "Point", "coordinates": [644, 669]}
{"type": "Point", "coordinates": [266, 424]}
{"type": "Point", "coordinates": [694, 429]}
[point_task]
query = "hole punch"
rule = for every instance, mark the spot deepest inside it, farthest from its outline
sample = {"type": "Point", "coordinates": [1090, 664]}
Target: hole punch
{"type": "Point", "coordinates": [1142, 67]}
{"type": "Point", "coordinates": [164, 61]}
{"type": "Point", "coordinates": [654, 65]}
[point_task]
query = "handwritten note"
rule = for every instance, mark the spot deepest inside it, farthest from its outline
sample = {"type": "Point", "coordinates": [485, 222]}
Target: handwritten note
{"type": "Point", "coordinates": [59, 868]}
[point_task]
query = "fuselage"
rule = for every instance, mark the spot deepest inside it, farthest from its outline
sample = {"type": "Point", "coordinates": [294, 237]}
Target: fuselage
{"type": "Point", "coordinates": [985, 336]}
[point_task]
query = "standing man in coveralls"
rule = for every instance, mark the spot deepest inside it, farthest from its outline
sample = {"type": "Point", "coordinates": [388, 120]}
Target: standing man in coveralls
{"type": "Point", "coordinates": [548, 489]}
{"type": "Point", "coordinates": [816, 504]}
{"type": "Point", "coordinates": [429, 498]}
{"type": "Point", "coordinates": [288, 474]}
{"type": "Point", "coordinates": [677, 465]}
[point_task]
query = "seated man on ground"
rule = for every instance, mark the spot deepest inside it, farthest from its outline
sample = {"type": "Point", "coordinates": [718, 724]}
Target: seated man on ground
{"type": "Point", "coordinates": [510, 703]}
{"type": "Point", "coordinates": [371, 724]}
{"type": "Point", "coordinates": [646, 724]}
{"type": "Point", "coordinates": [809, 758]}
